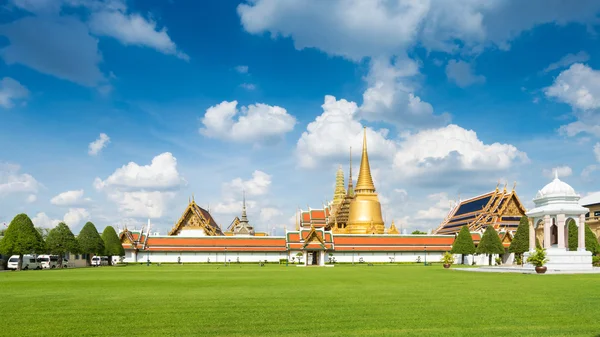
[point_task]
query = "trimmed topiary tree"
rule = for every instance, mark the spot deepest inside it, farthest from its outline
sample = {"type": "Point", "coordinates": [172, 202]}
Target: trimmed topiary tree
{"type": "Point", "coordinates": [520, 242]}
{"type": "Point", "coordinates": [90, 242]}
{"type": "Point", "coordinates": [490, 244]}
{"type": "Point", "coordinates": [463, 244]}
{"type": "Point", "coordinates": [591, 242]}
{"type": "Point", "coordinates": [112, 244]}
{"type": "Point", "coordinates": [21, 238]}
{"type": "Point", "coordinates": [61, 241]}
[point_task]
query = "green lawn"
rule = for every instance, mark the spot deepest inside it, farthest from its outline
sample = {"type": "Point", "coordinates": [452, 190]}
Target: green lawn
{"type": "Point", "coordinates": [249, 300]}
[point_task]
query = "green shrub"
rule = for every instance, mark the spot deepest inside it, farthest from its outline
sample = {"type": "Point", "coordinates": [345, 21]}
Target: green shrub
{"type": "Point", "coordinates": [463, 244]}
{"type": "Point", "coordinates": [490, 243]}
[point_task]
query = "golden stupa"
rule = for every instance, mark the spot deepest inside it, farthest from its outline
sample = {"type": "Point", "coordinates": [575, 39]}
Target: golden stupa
{"type": "Point", "coordinates": [365, 209]}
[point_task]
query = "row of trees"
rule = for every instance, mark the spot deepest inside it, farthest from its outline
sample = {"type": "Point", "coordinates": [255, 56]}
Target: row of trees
{"type": "Point", "coordinates": [21, 238]}
{"type": "Point", "coordinates": [491, 244]}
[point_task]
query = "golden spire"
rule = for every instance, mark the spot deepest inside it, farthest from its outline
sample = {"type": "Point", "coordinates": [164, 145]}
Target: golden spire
{"type": "Point", "coordinates": [297, 226]}
{"type": "Point", "coordinates": [365, 181]}
{"type": "Point", "coordinates": [350, 190]}
{"type": "Point", "coordinates": [340, 191]}
{"type": "Point", "coordinates": [514, 186]}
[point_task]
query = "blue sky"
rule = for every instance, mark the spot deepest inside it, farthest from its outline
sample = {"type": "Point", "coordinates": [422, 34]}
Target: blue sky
{"type": "Point", "coordinates": [212, 98]}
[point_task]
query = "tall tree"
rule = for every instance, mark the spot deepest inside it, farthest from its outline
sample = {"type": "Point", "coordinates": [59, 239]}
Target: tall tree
{"type": "Point", "coordinates": [61, 241]}
{"type": "Point", "coordinates": [520, 243]}
{"type": "Point", "coordinates": [21, 238]}
{"type": "Point", "coordinates": [490, 244]}
{"type": "Point", "coordinates": [90, 242]}
{"type": "Point", "coordinates": [43, 232]}
{"type": "Point", "coordinates": [463, 244]}
{"type": "Point", "coordinates": [112, 244]}
{"type": "Point", "coordinates": [591, 241]}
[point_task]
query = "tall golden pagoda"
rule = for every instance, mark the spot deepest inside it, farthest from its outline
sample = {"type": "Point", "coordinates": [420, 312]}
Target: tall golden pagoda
{"type": "Point", "coordinates": [365, 209]}
{"type": "Point", "coordinates": [338, 220]}
{"type": "Point", "coordinates": [340, 191]}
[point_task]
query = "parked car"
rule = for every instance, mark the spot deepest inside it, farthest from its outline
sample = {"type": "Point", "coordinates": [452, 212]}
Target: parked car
{"type": "Point", "coordinates": [29, 262]}
{"type": "Point", "coordinates": [50, 261]}
{"type": "Point", "coordinates": [99, 261]}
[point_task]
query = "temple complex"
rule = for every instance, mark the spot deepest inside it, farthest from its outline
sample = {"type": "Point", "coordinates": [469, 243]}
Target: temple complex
{"type": "Point", "coordinates": [499, 208]}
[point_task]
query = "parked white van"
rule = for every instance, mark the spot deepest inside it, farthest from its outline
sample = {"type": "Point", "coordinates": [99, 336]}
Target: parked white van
{"type": "Point", "coordinates": [49, 261]}
{"type": "Point", "coordinates": [99, 261]}
{"type": "Point", "coordinates": [29, 262]}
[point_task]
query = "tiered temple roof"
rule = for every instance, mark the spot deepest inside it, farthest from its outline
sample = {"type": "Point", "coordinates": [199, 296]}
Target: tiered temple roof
{"type": "Point", "coordinates": [196, 218]}
{"type": "Point", "coordinates": [501, 209]}
{"type": "Point", "coordinates": [241, 226]}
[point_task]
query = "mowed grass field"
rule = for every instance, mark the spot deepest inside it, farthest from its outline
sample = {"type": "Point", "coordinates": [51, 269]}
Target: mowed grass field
{"type": "Point", "coordinates": [249, 300]}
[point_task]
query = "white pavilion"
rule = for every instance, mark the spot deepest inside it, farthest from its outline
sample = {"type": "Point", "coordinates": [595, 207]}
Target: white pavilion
{"type": "Point", "coordinates": [555, 205]}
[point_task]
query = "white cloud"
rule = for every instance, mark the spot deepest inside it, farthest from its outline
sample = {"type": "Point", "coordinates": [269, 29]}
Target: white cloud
{"type": "Point", "coordinates": [578, 86]}
{"type": "Point", "coordinates": [75, 216]}
{"type": "Point", "coordinates": [587, 174]}
{"type": "Point", "coordinates": [248, 86]}
{"type": "Point", "coordinates": [258, 185]}
{"type": "Point", "coordinates": [255, 122]}
{"type": "Point", "coordinates": [31, 198]}
{"type": "Point", "coordinates": [439, 210]}
{"type": "Point", "coordinates": [11, 181]}
{"type": "Point", "coordinates": [143, 191]}
{"type": "Point", "coordinates": [461, 73]}
{"type": "Point", "coordinates": [134, 29]}
{"type": "Point", "coordinates": [597, 151]}
{"type": "Point", "coordinates": [11, 91]}
{"type": "Point", "coordinates": [268, 213]}
{"type": "Point", "coordinates": [358, 29]}
{"type": "Point", "coordinates": [439, 152]}
{"type": "Point", "coordinates": [44, 221]}
{"type": "Point", "coordinates": [563, 171]}
{"type": "Point", "coordinates": [242, 69]}
{"type": "Point", "coordinates": [567, 60]}
{"type": "Point", "coordinates": [69, 199]}
{"type": "Point", "coordinates": [96, 146]}
{"type": "Point", "coordinates": [161, 174]}
{"type": "Point", "coordinates": [330, 135]}
{"type": "Point", "coordinates": [390, 95]}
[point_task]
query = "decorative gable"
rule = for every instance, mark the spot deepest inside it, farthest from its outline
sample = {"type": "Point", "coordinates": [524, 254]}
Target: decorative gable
{"type": "Point", "coordinates": [196, 218]}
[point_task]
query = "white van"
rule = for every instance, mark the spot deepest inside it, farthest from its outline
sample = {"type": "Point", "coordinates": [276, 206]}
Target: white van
{"type": "Point", "coordinates": [29, 262]}
{"type": "Point", "coordinates": [99, 261]}
{"type": "Point", "coordinates": [49, 261]}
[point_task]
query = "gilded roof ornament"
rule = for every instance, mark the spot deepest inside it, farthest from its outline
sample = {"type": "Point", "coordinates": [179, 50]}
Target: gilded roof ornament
{"type": "Point", "coordinates": [365, 180]}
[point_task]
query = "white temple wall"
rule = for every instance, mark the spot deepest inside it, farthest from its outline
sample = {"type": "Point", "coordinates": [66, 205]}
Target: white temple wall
{"type": "Point", "coordinates": [204, 257]}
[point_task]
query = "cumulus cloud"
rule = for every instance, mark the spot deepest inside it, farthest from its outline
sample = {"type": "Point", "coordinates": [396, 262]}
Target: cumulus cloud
{"type": "Point", "coordinates": [390, 95]}
{"type": "Point", "coordinates": [96, 146]}
{"type": "Point", "coordinates": [563, 171]}
{"type": "Point", "coordinates": [253, 123]}
{"type": "Point", "coordinates": [31, 198]}
{"type": "Point", "coordinates": [268, 213]}
{"type": "Point", "coordinates": [461, 73]}
{"type": "Point", "coordinates": [43, 220]}
{"type": "Point", "coordinates": [11, 91]}
{"type": "Point", "coordinates": [12, 181]}
{"type": "Point", "coordinates": [69, 199]}
{"type": "Point", "coordinates": [257, 185]}
{"type": "Point", "coordinates": [161, 174]}
{"type": "Point", "coordinates": [579, 86]}
{"type": "Point", "coordinates": [248, 86]}
{"type": "Point", "coordinates": [438, 210]}
{"type": "Point", "coordinates": [331, 134]}
{"type": "Point", "coordinates": [143, 190]}
{"type": "Point", "coordinates": [73, 218]}
{"type": "Point", "coordinates": [439, 152]}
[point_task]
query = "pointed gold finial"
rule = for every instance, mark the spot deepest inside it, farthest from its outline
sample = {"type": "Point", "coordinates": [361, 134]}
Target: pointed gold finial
{"type": "Point", "coordinates": [514, 185]}
{"type": "Point", "coordinates": [193, 197]}
{"type": "Point", "coordinates": [497, 185]}
{"type": "Point", "coordinates": [506, 183]}
{"type": "Point", "coordinates": [364, 184]}
{"type": "Point", "coordinates": [297, 226]}
{"type": "Point", "coordinates": [350, 190]}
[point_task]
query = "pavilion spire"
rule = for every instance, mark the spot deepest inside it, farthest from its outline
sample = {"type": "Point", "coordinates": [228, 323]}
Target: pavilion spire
{"type": "Point", "coordinates": [350, 190]}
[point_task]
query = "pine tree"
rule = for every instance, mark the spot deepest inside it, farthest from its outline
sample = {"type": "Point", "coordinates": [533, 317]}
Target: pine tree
{"type": "Point", "coordinates": [490, 243]}
{"type": "Point", "coordinates": [21, 238]}
{"type": "Point", "coordinates": [463, 244]}
{"type": "Point", "coordinates": [90, 242]}
{"type": "Point", "coordinates": [61, 241]}
{"type": "Point", "coordinates": [520, 242]}
{"type": "Point", "coordinates": [112, 244]}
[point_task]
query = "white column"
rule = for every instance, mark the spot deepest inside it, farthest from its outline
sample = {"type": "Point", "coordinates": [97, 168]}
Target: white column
{"type": "Point", "coordinates": [560, 222]}
{"type": "Point", "coordinates": [581, 232]}
{"type": "Point", "coordinates": [547, 225]}
{"type": "Point", "coordinates": [531, 235]}
{"type": "Point", "coordinates": [306, 258]}
{"type": "Point", "coordinates": [322, 259]}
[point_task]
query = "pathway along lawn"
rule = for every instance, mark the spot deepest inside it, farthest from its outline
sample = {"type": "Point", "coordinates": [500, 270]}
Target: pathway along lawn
{"type": "Point", "coordinates": [248, 300]}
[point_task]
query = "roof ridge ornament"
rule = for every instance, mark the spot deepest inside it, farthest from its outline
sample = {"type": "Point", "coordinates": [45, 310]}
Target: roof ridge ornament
{"type": "Point", "coordinates": [556, 174]}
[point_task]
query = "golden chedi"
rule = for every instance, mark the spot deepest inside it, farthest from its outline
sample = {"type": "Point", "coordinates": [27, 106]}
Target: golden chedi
{"type": "Point", "coordinates": [365, 209]}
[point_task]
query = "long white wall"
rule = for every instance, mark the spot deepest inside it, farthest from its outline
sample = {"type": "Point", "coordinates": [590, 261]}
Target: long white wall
{"type": "Point", "coordinates": [203, 257]}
